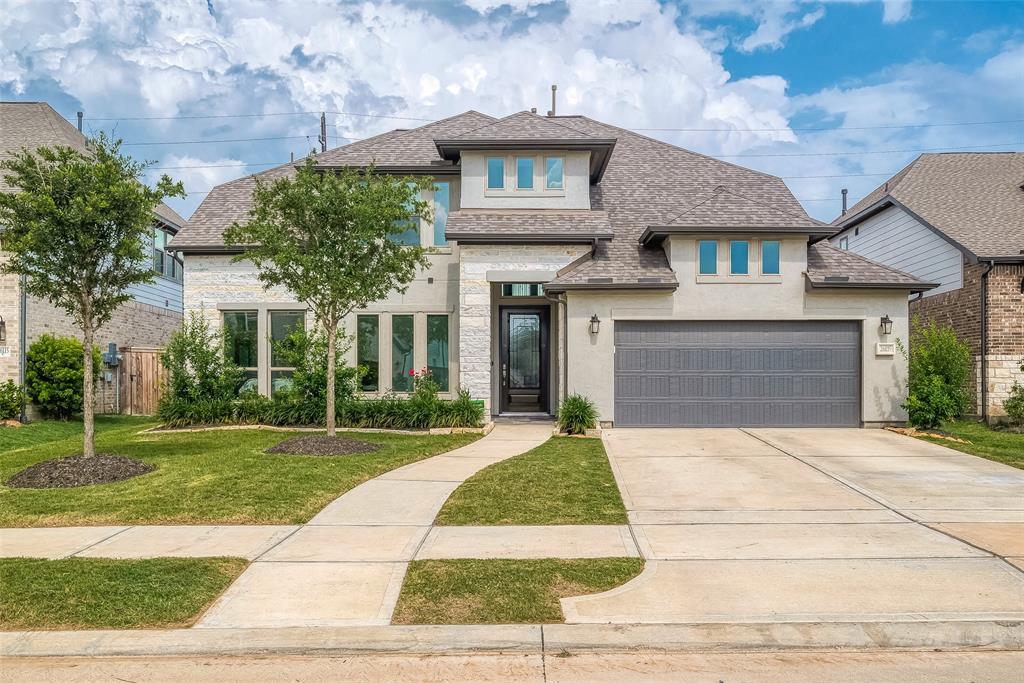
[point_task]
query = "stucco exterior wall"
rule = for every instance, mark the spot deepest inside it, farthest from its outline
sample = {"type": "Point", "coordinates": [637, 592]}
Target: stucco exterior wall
{"type": "Point", "coordinates": [591, 358]}
{"type": "Point", "coordinates": [576, 182]}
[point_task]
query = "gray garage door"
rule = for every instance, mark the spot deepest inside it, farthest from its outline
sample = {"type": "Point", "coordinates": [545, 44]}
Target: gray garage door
{"type": "Point", "coordinates": [725, 374]}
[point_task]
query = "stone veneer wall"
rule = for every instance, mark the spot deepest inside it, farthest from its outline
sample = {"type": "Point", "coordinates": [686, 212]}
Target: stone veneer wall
{"type": "Point", "coordinates": [475, 261]}
{"type": "Point", "coordinates": [212, 280]}
{"type": "Point", "coordinates": [961, 309]}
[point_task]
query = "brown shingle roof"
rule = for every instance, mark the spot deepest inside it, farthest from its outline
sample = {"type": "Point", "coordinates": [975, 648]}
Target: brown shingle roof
{"type": "Point", "coordinates": [973, 198]}
{"type": "Point", "coordinates": [231, 201]}
{"type": "Point", "coordinates": [828, 266]}
{"type": "Point", "coordinates": [522, 125]}
{"type": "Point", "coordinates": [468, 225]}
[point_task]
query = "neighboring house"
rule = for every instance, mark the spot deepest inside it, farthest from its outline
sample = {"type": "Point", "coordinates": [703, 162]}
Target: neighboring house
{"type": "Point", "coordinates": [571, 256]}
{"type": "Point", "coordinates": [147, 320]}
{"type": "Point", "coordinates": [956, 219]}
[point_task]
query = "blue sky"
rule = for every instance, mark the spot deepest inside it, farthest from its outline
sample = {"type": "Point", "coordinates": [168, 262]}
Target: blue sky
{"type": "Point", "coordinates": [825, 94]}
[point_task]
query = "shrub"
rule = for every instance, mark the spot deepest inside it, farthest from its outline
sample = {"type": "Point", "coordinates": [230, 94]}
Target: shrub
{"type": "Point", "coordinates": [307, 353]}
{"type": "Point", "coordinates": [577, 414]}
{"type": "Point", "coordinates": [940, 367]}
{"type": "Point", "coordinates": [1014, 405]}
{"type": "Point", "coordinates": [54, 372]}
{"type": "Point", "coordinates": [10, 400]}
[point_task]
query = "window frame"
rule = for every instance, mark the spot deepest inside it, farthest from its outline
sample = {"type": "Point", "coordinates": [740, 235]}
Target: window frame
{"type": "Point", "coordinates": [412, 353]}
{"type": "Point", "coordinates": [700, 261]}
{"type": "Point", "coordinates": [446, 387]}
{"type": "Point", "coordinates": [435, 239]}
{"type": "Point", "coordinates": [487, 174]}
{"type": "Point", "coordinates": [168, 260]}
{"type": "Point", "coordinates": [732, 258]}
{"type": "Point", "coordinates": [844, 242]}
{"type": "Point", "coordinates": [778, 258]}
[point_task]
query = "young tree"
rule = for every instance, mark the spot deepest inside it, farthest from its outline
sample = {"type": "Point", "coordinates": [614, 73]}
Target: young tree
{"type": "Point", "coordinates": [78, 229]}
{"type": "Point", "coordinates": [334, 241]}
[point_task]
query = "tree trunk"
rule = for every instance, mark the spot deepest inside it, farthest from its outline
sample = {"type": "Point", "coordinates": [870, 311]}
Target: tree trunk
{"type": "Point", "coordinates": [332, 332]}
{"type": "Point", "coordinates": [88, 395]}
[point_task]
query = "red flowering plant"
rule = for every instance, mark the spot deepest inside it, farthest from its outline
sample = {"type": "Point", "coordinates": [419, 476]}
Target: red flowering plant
{"type": "Point", "coordinates": [423, 384]}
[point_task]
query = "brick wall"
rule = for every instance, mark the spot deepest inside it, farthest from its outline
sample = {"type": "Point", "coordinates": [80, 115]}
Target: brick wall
{"type": "Point", "coordinates": [961, 310]}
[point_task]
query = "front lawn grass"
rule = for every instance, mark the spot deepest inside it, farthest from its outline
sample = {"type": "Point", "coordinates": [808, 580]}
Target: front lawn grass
{"type": "Point", "coordinates": [201, 477]}
{"type": "Point", "coordinates": [565, 480]}
{"type": "Point", "coordinates": [82, 593]}
{"type": "Point", "coordinates": [985, 442]}
{"type": "Point", "coordinates": [503, 591]}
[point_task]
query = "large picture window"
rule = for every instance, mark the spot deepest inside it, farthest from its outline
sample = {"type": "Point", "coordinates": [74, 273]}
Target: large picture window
{"type": "Point", "coordinates": [282, 324]}
{"type": "Point", "coordinates": [241, 345]}
{"type": "Point", "coordinates": [402, 347]}
{"type": "Point", "coordinates": [437, 349]}
{"type": "Point", "coordinates": [368, 350]}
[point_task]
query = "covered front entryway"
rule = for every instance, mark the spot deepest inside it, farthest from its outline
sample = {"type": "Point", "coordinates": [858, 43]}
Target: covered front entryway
{"type": "Point", "coordinates": [682, 373]}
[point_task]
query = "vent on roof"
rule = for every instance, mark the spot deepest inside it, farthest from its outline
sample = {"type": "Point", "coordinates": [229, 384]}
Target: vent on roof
{"type": "Point", "coordinates": [649, 280]}
{"type": "Point", "coordinates": [837, 278]}
{"type": "Point", "coordinates": [599, 280]}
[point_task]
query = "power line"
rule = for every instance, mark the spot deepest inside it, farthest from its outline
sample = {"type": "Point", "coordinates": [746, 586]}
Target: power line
{"type": "Point", "coordinates": [252, 116]}
{"type": "Point", "coordinates": [829, 128]}
{"type": "Point", "coordinates": [212, 142]}
{"type": "Point", "coordinates": [852, 153]}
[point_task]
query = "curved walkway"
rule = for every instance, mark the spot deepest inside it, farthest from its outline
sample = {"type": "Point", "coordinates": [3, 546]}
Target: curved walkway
{"type": "Point", "coordinates": [346, 566]}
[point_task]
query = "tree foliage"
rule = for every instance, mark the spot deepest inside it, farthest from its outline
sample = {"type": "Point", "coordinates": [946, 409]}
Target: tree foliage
{"type": "Point", "coordinates": [331, 239]}
{"type": "Point", "coordinates": [78, 228]}
{"type": "Point", "coordinates": [940, 368]}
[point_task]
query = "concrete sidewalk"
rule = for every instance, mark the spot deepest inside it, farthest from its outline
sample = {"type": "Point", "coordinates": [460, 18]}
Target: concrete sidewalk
{"type": "Point", "coordinates": [347, 565]}
{"type": "Point", "coordinates": [797, 525]}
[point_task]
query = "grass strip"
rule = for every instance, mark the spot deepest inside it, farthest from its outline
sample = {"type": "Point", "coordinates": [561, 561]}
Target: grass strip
{"type": "Point", "coordinates": [503, 591]}
{"type": "Point", "coordinates": [88, 593]}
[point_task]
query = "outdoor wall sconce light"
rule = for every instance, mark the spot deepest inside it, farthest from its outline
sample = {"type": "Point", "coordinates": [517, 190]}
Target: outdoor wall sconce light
{"type": "Point", "coordinates": [886, 324]}
{"type": "Point", "coordinates": [595, 324]}
{"type": "Point", "coordinates": [3, 330]}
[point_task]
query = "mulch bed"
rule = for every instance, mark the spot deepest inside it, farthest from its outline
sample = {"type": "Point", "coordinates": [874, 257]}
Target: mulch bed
{"type": "Point", "coordinates": [78, 470]}
{"type": "Point", "coordinates": [324, 446]}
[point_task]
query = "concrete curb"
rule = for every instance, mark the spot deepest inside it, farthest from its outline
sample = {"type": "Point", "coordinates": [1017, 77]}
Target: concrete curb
{"type": "Point", "coordinates": [522, 638]}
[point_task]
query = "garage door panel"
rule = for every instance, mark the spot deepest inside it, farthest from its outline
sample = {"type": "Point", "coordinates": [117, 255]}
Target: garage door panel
{"type": "Point", "coordinates": [689, 373]}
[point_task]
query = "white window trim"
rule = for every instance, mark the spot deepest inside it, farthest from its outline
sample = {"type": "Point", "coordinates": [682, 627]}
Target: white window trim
{"type": "Point", "coordinates": [511, 188]}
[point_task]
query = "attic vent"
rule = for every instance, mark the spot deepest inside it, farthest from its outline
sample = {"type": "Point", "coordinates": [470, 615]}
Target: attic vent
{"type": "Point", "coordinates": [837, 278]}
{"type": "Point", "coordinates": [599, 280]}
{"type": "Point", "coordinates": [719, 189]}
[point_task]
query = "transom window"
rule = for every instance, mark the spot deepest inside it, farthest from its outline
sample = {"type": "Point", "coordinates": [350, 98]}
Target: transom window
{"type": "Point", "coordinates": [553, 171]}
{"type": "Point", "coordinates": [521, 289]}
{"type": "Point", "coordinates": [739, 256]}
{"type": "Point", "coordinates": [495, 173]}
{"type": "Point", "coordinates": [708, 257]}
{"type": "Point", "coordinates": [770, 257]}
{"type": "Point", "coordinates": [524, 173]}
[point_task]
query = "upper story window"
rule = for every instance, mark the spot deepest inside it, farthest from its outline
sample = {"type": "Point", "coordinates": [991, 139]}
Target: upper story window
{"type": "Point", "coordinates": [495, 173]}
{"type": "Point", "coordinates": [844, 242]}
{"type": "Point", "coordinates": [708, 257]}
{"type": "Point", "coordinates": [442, 205]}
{"type": "Point", "coordinates": [524, 173]}
{"type": "Point", "coordinates": [770, 257]}
{"type": "Point", "coordinates": [165, 263]}
{"type": "Point", "coordinates": [410, 235]}
{"type": "Point", "coordinates": [553, 167]}
{"type": "Point", "coordinates": [739, 257]}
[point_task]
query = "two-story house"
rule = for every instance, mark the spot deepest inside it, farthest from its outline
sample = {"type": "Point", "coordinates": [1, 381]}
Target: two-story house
{"type": "Point", "coordinates": [571, 256]}
{"type": "Point", "coordinates": [956, 219]}
{"type": "Point", "coordinates": [146, 321]}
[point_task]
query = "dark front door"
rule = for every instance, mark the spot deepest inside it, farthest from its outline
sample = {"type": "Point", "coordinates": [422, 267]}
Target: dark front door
{"type": "Point", "coordinates": [524, 359]}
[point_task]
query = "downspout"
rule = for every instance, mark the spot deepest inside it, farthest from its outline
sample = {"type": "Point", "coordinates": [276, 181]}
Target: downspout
{"type": "Point", "coordinates": [984, 341]}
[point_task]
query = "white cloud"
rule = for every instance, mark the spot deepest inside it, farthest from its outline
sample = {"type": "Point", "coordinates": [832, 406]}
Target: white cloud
{"type": "Point", "coordinates": [895, 11]}
{"type": "Point", "coordinates": [775, 26]}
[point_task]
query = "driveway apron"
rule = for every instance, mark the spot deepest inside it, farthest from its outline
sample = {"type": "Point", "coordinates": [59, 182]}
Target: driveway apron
{"type": "Point", "coordinates": [791, 525]}
{"type": "Point", "coordinates": [346, 566]}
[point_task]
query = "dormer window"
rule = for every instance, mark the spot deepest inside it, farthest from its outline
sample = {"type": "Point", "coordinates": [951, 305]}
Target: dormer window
{"type": "Point", "coordinates": [524, 173]}
{"type": "Point", "coordinates": [495, 173]}
{"type": "Point", "coordinates": [553, 173]}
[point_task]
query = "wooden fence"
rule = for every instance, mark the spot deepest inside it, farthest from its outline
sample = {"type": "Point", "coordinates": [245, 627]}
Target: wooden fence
{"type": "Point", "coordinates": [141, 378]}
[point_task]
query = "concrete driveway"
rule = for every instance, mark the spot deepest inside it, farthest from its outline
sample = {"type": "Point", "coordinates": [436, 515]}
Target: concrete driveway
{"type": "Point", "coordinates": [742, 525]}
